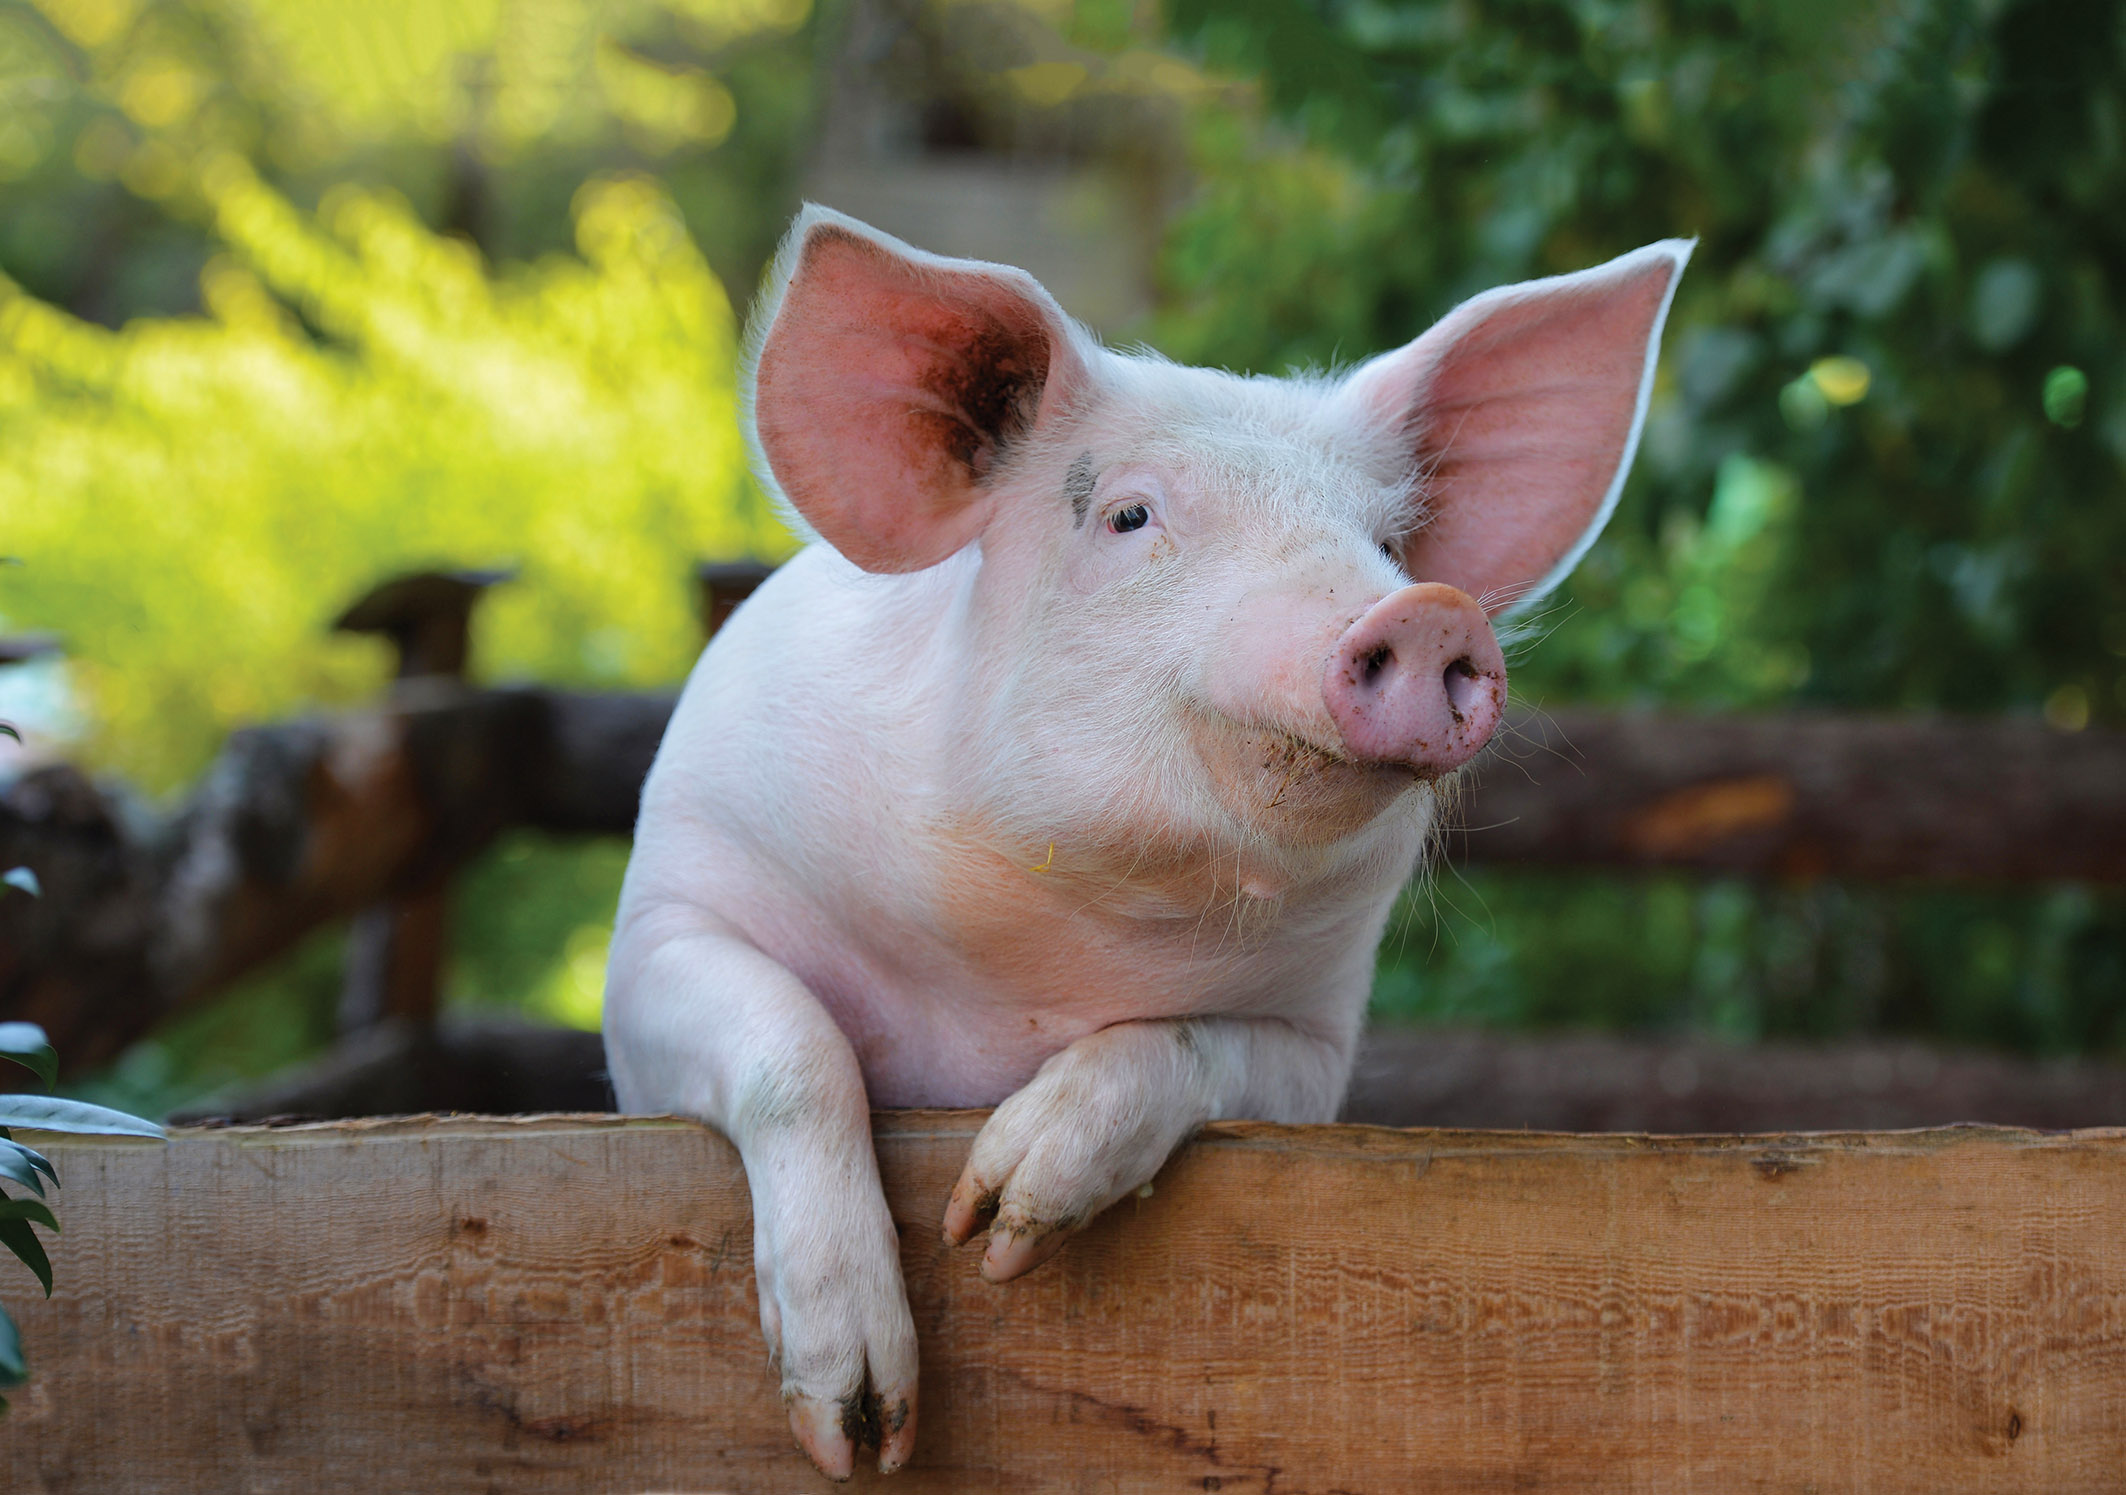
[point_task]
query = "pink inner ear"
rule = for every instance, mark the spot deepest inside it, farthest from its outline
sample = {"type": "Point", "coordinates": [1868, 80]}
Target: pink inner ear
{"type": "Point", "coordinates": [1525, 405]}
{"type": "Point", "coordinates": [884, 388]}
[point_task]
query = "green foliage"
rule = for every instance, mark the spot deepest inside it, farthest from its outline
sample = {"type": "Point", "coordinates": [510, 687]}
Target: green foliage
{"type": "Point", "coordinates": [535, 918]}
{"type": "Point", "coordinates": [25, 1167]}
{"type": "Point", "coordinates": [367, 398]}
{"type": "Point", "coordinates": [51, 1113]}
{"type": "Point", "coordinates": [296, 295]}
{"type": "Point", "coordinates": [1883, 468]}
{"type": "Point", "coordinates": [14, 1370]}
{"type": "Point", "coordinates": [17, 1236]}
{"type": "Point", "coordinates": [1902, 250]}
{"type": "Point", "coordinates": [26, 1044]}
{"type": "Point", "coordinates": [278, 1017]}
{"type": "Point", "coordinates": [2040, 972]}
{"type": "Point", "coordinates": [486, 116]}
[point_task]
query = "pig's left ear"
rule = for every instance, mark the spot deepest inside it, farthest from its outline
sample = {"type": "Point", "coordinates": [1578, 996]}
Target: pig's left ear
{"type": "Point", "coordinates": [888, 383]}
{"type": "Point", "coordinates": [1519, 413]}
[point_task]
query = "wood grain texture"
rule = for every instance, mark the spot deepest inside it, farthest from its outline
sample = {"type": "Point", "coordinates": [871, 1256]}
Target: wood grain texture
{"type": "Point", "coordinates": [1801, 796]}
{"type": "Point", "coordinates": [566, 1304]}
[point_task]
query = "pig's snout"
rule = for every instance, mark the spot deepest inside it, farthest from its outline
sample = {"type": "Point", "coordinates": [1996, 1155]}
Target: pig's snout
{"type": "Point", "coordinates": [1418, 680]}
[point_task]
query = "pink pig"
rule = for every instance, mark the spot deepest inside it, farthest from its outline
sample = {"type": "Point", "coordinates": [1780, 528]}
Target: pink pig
{"type": "Point", "coordinates": [1075, 767]}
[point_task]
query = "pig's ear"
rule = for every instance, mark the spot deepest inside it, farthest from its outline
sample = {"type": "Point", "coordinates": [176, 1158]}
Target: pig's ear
{"type": "Point", "coordinates": [1519, 413]}
{"type": "Point", "coordinates": [888, 383]}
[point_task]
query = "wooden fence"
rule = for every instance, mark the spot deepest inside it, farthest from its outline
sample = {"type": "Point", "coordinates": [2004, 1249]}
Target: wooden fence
{"type": "Point", "coordinates": [566, 1304]}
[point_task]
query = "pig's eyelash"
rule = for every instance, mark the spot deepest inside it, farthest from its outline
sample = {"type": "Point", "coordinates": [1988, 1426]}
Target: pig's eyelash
{"type": "Point", "coordinates": [1125, 519]}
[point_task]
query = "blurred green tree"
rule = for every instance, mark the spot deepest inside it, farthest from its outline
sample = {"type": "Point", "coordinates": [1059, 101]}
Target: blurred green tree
{"type": "Point", "coordinates": [293, 296]}
{"type": "Point", "coordinates": [486, 115]}
{"type": "Point", "coordinates": [1884, 465]}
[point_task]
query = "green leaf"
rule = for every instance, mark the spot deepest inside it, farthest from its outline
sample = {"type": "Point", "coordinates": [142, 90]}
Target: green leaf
{"type": "Point", "coordinates": [50, 1113]}
{"type": "Point", "coordinates": [28, 1209]}
{"type": "Point", "coordinates": [14, 1370]}
{"type": "Point", "coordinates": [20, 1164]}
{"type": "Point", "coordinates": [38, 1161]}
{"type": "Point", "coordinates": [7, 729]}
{"type": "Point", "coordinates": [26, 1044]}
{"type": "Point", "coordinates": [23, 878]}
{"type": "Point", "coordinates": [17, 1236]}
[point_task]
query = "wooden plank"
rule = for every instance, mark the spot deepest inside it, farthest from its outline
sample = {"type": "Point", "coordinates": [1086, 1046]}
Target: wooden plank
{"type": "Point", "coordinates": [295, 826]}
{"type": "Point", "coordinates": [566, 1304]}
{"type": "Point", "coordinates": [1874, 798]}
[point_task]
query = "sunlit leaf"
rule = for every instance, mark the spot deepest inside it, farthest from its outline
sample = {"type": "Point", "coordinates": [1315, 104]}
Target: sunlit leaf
{"type": "Point", "coordinates": [49, 1113]}
{"type": "Point", "coordinates": [26, 1044]}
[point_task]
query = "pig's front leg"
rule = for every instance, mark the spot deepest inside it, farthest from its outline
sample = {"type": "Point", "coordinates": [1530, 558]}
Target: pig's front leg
{"type": "Point", "coordinates": [700, 1022]}
{"type": "Point", "coordinates": [1100, 1118]}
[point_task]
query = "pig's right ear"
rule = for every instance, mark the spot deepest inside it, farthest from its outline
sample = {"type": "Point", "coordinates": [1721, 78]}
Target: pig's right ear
{"type": "Point", "coordinates": [1517, 415]}
{"type": "Point", "coordinates": [887, 383]}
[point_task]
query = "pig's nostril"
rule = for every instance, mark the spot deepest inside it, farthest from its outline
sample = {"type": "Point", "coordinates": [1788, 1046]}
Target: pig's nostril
{"type": "Point", "coordinates": [1372, 664]}
{"type": "Point", "coordinates": [1463, 688]}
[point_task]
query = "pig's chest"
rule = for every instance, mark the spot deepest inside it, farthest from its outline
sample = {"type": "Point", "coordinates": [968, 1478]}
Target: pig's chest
{"type": "Point", "coordinates": [957, 1001]}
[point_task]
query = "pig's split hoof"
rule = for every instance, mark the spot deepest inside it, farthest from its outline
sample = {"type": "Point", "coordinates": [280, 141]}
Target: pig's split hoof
{"type": "Point", "coordinates": [1017, 1246]}
{"type": "Point", "coordinates": [817, 1427]}
{"type": "Point", "coordinates": [833, 1433]}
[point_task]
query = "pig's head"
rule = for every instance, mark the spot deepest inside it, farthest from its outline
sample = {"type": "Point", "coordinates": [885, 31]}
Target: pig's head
{"type": "Point", "coordinates": [1199, 618]}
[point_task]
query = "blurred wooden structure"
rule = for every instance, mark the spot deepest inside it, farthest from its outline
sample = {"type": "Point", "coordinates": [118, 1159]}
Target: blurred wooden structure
{"type": "Point", "coordinates": [567, 1303]}
{"type": "Point", "coordinates": [396, 952]}
{"type": "Point", "coordinates": [976, 130]}
{"type": "Point", "coordinates": [1798, 797]}
{"type": "Point", "coordinates": [315, 820]}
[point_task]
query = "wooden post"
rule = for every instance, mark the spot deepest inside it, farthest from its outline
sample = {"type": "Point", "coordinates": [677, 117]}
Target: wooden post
{"type": "Point", "coordinates": [396, 951]}
{"type": "Point", "coordinates": [566, 1304]}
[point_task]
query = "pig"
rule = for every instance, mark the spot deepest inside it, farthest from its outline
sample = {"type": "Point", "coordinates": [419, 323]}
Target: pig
{"type": "Point", "coordinates": [1074, 765]}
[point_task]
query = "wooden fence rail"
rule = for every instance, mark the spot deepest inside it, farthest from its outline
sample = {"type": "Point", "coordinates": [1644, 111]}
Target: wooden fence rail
{"type": "Point", "coordinates": [566, 1304]}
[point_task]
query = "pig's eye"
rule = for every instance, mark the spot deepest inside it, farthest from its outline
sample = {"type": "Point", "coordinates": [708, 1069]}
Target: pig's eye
{"type": "Point", "coordinates": [1122, 521]}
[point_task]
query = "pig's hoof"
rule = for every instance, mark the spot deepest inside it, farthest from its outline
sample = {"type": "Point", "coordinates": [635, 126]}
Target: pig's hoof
{"type": "Point", "coordinates": [1017, 1246]}
{"type": "Point", "coordinates": [817, 1426]}
{"type": "Point", "coordinates": [834, 1432]}
{"type": "Point", "coordinates": [837, 1325]}
{"type": "Point", "coordinates": [1092, 1126]}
